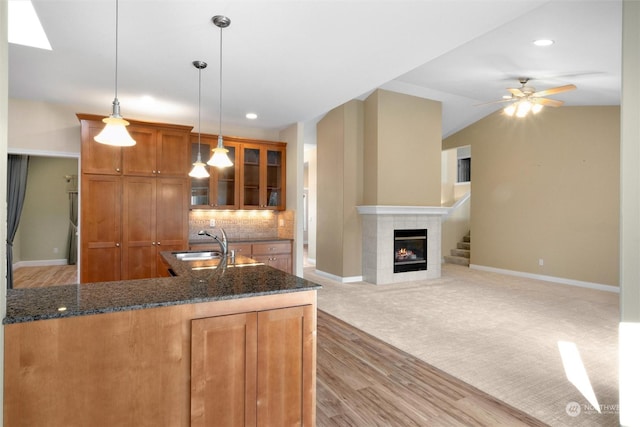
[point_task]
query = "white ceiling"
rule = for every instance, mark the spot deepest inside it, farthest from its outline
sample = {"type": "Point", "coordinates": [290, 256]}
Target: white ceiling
{"type": "Point", "coordinates": [292, 61]}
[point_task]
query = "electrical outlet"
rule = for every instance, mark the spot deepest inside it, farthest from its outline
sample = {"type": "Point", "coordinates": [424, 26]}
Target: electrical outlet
{"type": "Point", "coordinates": [540, 262]}
{"type": "Point", "coordinates": [212, 223]}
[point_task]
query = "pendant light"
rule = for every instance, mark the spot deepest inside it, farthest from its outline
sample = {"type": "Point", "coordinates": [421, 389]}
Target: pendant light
{"type": "Point", "coordinates": [115, 130]}
{"type": "Point", "coordinates": [199, 170]}
{"type": "Point", "coordinates": [220, 159]}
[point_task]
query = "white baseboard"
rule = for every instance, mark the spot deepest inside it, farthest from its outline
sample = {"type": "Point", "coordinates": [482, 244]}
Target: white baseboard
{"type": "Point", "coordinates": [338, 278]}
{"type": "Point", "coordinates": [553, 279]}
{"type": "Point", "coordinates": [39, 263]}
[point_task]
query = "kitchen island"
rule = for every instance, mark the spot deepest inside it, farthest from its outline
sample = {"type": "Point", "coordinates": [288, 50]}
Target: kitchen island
{"type": "Point", "coordinates": [223, 342]}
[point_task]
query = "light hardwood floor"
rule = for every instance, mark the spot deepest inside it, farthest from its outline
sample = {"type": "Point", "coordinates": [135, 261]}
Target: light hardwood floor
{"type": "Point", "coordinates": [363, 381]}
{"type": "Point", "coordinates": [50, 275]}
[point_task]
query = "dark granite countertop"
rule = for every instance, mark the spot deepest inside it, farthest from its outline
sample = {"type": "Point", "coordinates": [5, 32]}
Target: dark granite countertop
{"type": "Point", "coordinates": [195, 282]}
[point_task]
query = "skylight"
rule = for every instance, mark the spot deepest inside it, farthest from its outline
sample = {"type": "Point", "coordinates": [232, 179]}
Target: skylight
{"type": "Point", "coordinates": [24, 26]}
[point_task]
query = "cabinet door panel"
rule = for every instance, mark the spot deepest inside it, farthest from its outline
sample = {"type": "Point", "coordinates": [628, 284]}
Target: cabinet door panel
{"type": "Point", "coordinates": [223, 370]}
{"type": "Point", "coordinates": [139, 225]}
{"type": "Point", "coordinates": [285, 366]}
{"type": "Point", "coordinates": [172, 207]}
{"type": "Point", "coordinates": [173, 153]}
{"type": "Point", "coordinates": [101, 228]}
{"type": "Point", "coordinates": [140, 159]}
{"type": "Point", "coordinates": [99, 158]}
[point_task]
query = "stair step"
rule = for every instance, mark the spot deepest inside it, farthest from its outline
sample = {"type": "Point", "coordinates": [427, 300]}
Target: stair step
{"type": "Point", "coordinates": [466, 253]}
{"type": "Point", "coordinates": [466, 238]}
{"type": "Point", "coordinates": [464, 245]}
{"type": "Point", "coordinates": [456, 260]}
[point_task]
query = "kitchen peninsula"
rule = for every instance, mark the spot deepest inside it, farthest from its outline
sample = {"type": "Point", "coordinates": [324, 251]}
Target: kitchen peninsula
{"type": "Point", "coordinates": [224, 340]}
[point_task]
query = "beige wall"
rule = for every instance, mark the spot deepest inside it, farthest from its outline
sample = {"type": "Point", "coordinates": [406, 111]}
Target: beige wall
{"type": "Point", "coordinates": [42, 127]}
{"type": "Point", "coordinates": [293, 136]}
{"type": "Point", "coordinates": [402, 151]}
{"type": "Point", "coordinates": [547, 187]}
{"type": "Point", "coordinates": [44, 223]}
{"type": "Point", "coordinates": [339, 191]}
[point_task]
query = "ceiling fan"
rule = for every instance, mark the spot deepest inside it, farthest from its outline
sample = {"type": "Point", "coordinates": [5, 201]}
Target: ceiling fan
{"type": "Point", "coordinates": [525, 98]}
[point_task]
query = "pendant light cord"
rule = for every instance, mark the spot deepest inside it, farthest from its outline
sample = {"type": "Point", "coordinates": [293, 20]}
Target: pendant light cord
{"type": "Point", "coordinates": [116, 72]}
{"type": "Point", "coordinates": [220, 123]}
{"type": "Point", "coordinates": [199, 95]}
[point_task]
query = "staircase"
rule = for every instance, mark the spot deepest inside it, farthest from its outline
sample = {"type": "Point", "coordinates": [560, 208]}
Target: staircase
{"type": "Point", "coordinates": [462, 253]}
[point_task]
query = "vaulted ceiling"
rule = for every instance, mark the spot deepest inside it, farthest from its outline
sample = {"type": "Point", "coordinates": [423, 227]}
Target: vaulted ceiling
{"type": "Point", "coordinates": [292, 61]}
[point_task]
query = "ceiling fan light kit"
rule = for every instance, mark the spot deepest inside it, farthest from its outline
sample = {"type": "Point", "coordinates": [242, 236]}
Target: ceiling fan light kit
{"type": "Point", "coordinates": [526, 99]}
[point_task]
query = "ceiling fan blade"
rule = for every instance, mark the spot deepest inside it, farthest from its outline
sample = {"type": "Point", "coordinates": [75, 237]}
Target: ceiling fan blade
{"type": "Point", "coordinates": [494, 102]}
{"type": "Point", "coordinates": [553, 91]}
{"type": "Point", "coordinates": [516, 92]}
{"type": "Point", "coordinates": [548, 102]}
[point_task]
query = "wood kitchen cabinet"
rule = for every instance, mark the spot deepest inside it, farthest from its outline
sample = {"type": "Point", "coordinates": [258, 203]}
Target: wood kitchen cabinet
{"type": "Point", "coordinates": [262, 184]}
{"type": "Point", "coordinates": [275, 254]}
{"type": "Point", "coordinates": [98, 158]}
{"type": "Point", "coordinates": [220, 190]}
{"type": "Point", "coordinates": [101, 228]}
{"type": "Point", "coordinates": [139, 194]}
{"type": "Point", "coordinates": [255, 181]}
{"type": "Point", "coordinates": [158, 152]}
{"type": "Point", "coordinates": [155, 219]}
{"type": "Point", "coordinates": [161, 149]}
{"type": "Point", "coordinates": [250, 368]}
{"type": "Point", "coordinates": [211, 363]}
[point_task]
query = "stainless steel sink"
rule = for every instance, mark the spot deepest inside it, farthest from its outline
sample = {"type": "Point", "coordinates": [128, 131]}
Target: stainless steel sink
{"type": "Point", "coordinates": [197, 256]}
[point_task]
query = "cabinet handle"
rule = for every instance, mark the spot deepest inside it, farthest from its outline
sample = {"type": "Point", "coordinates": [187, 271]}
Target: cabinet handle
{"type": "Point", "coordinates": [117, 169]}
{"type": "Point", "coordinates": [153, 243]}
{"type": "Point", "coordinates": [117, 245]}
{"type": "Point", "coordinates": [153, 171]}
{"type": "Point", "coordinates": [158, 172]}
{"type": "Point", "coordinates": [158, 243]}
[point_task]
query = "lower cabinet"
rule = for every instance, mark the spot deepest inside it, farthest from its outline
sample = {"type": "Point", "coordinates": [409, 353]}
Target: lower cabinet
{"type": "Point", "coordinates": [277, 253]}
{"type": "Point", "coordinates": [244, 362]}
{"type": "Point", "coordinates": [249, 369]}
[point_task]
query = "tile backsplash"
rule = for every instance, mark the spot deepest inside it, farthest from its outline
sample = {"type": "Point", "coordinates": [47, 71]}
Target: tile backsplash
{"type": "Point", "coordinates": [243, 224]}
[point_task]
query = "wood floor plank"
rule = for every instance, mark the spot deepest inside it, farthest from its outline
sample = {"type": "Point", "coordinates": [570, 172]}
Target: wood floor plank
{"type": "Point", "coordinates": [49, 275]}
{"type": "Point", "coordinates": [363, 381]}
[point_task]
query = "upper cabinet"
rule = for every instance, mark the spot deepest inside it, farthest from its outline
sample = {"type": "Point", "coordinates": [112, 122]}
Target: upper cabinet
{"type": "Point", "coordinates": [255, 181]}
{"type": "Point", "coordinates": [220, 190]}
{"type": "Point", "coordinates": [160, 150]}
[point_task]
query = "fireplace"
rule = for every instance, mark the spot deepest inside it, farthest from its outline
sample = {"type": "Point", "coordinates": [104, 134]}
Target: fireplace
{"type": "Point", "coordinates": [378, 241]}
{"type": "Point", "coordinates": [409, 250]}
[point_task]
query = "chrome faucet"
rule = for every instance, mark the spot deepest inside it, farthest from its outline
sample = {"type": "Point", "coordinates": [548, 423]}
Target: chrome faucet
{"type": "Point", "coordinates": [223, 242]}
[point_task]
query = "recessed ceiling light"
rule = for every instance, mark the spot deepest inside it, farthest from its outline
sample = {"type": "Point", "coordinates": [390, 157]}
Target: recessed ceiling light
{"type": "Point", "coordinates": [24, 26]}
{"type": "Point", "coordinates": [251, 116]}
{"type": "Point", "coordinates": [543, 42]}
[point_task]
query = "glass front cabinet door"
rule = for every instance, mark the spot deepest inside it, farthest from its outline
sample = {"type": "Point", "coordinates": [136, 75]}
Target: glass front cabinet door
{"type": "Point", "coordinates": [263, 176]}
{"type": "Point", "coordinates": [220, 189]}
{"type": "Point", "coordinates": [255, 181]}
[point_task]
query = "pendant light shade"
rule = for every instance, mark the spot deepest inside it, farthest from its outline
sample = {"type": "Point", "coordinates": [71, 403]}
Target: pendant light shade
{"type": "Point", "coordinates": [219, 158]}
{"type": "Point", "coordinates": [199, 170]}
{"type": "Point", "coordinates": [115, 130]}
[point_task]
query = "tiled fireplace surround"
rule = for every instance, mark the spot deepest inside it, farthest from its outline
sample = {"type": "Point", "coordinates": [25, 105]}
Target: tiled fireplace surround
{"type": "Point", "coordinates": [378, 224]}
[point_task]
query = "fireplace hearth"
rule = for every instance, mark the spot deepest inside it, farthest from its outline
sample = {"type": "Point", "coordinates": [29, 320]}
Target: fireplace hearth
{"type": "Point", "coordinates": [409, 250]}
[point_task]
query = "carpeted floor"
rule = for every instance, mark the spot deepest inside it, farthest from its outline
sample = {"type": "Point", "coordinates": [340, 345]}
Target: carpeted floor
{"type": "Point", "coordinates": [498, 333]}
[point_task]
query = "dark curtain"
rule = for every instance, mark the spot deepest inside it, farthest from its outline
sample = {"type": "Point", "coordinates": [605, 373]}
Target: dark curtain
{"type": "Point", "coordinates": [17, 167]}
{"type": "Point", "coordinates": [72, 247]}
